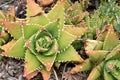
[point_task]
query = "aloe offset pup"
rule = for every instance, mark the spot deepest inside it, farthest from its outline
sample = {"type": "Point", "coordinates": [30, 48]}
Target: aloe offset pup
{"type": "Point", "coordinates": [42, 39]}
{"type": "Point", "coordinates": [103, 56]}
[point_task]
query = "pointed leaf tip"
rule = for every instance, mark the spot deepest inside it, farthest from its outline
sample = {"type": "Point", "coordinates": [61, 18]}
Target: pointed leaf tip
{"type": "Point", "coordinates": [85, 66]}
{"type": "Point", "coordinates": [76, 31]}
{"type": "Point", "coordinates": [73, 56]}
{"type": "Point", "coordinates": [57, 12]}
{"type": "Point", "coordinates": [45, 74]}
{"type": "Point", "coordinates": [111, 39]}
{"type": "Point", "coordinates": [14, 49]}
{"type": "Point", "coordinates": [31, 59]}
{"type": "Point", "coordinates": [31, 75]}
{"type": "Point", "coordinates": [33, 9]}
{"type": "Point", "coordinates": [14, 28]}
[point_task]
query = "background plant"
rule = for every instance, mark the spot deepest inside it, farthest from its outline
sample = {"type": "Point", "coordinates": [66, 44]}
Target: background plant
{"type": "Point", "coordinates": [102, 56]}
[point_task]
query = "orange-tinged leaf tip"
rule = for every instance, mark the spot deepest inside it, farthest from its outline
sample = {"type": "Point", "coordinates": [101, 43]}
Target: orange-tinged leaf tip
{"type": "Point", "coordinates": [76, 69]}
{"type": "Point", "coordinates": [30, 75]}
{"type": "Point", "coordinates": [45, 74]}
{"type": "Point", "coordinates": [32, 8]}
{"type": "Point", "coordinates": [6, 47]}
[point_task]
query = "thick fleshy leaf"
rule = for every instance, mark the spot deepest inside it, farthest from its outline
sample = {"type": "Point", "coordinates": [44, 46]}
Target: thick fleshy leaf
{"type": "Point", "coordinates": [15, 49]}
{"type": "Point", "coordinates": [93, 45]}
{"type": "Point", "coordinates": [2, 16]}
{"type": "Point", "coordinates": [73, 56]}
{"type": "Point", "coordinates": [114, 54]}
{"type": "Point", "coordinates": [30, 44]}
{"type": "Point", "coordinates": [57, 12]}
{"type": "Point", "coordinates": [78, 18]}
{"type": "Point", "coordinates": [76, 31]}
{"type": "Point", "coordinates": [85, 66]}
{"type": "Point", "coordinates": [96, 55]}
{"type": "Point", "coordinates": [32, 64]}
{"type": "Point", "coordinates": [65, 40]}
{"type": "Point", "coordinates": [31, 75]}
{"type": "Point", "coordinates": [14, 28]}
{"type": "Point", "coordinates": [40, 19]}
{"type": "Point", "coordinates": [6, 47]}
{"type": "Point", "coordinates": [96, 72]}
{"type": "Point", "coordinates": [45, 74]}
{"type": "Point", "coordinates": [53, 28]}
{"type": "Point", "coordinates": [4, 37]}
{"type": "Point", "coordinates": [30, 29]}
{"type": "Point", "coordinates": [67, 4]}
{"type": "Point", "coordinates": [107, 75]}
{"type": "Point", "coordinates": [74, 9]}
{"type": "Point", "coordinates": [101, 35]}
{"type": "Point", "coordinates": [111, 39]}
{"type": "Point", "coordinates": [47, 61]}
{"type": "Point", "coordinates": [33, 9]}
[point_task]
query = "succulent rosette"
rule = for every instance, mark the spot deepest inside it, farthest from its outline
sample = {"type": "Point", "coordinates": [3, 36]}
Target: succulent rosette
{"type": "Point", "coordinates": [42, 39]}
{"type": "Point", "coordinates": [103, 56]}
{"type": "Point", "coordinates": [75, 13]}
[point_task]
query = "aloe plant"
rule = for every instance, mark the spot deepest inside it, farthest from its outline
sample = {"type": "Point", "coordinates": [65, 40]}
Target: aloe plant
{"type": "Point", "coordinates": [42, 39]}
{"type": "Point", "coordinates": [103, 56]}
{"type": "Point", "coordinates": [75, 13]}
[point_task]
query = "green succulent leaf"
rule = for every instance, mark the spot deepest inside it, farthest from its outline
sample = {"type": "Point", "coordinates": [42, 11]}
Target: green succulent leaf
{"type": "Point", "coordinates": [111, 39]}
{"type": "Point", "coordinates": [115, 53]}
{"type": "Point", "coordinates": [2, 16]}
{"type": "Point", "coordinates": [33, 9]}
{"type": "Point", "coordinates": [31, 59]}
{"type": "Point", "coordinates": [76, 31]}
{"type": "Point", "coordinates": [93, 45]}
{"type": "Point", "coordinates": [53, 28]}
{"type": "Point", "coordinates": [107, 76]}
{"type": "Point", "coordinates": [30, 29]}
{"type": "Point", "coordinates": [57, 12]}
{"type": "Point", "coordinates": [96, 72]}
{"type": "Point", "coordinates": [15, 49]}
{"type": "Point", "coordinates": [73, 56]}
{"type": "Point", "coordinates": [14, 29]}
{"type": "Point", "coordinates": [85, 66]}
{"type": "Point", "coordinates": [40, 20]}
{"type": "Point", "coordinates": [96, 55]}
{"type": "Point", "coordinates": [47, 61]}
{"type": "Point", "coordinates": [65, 40]}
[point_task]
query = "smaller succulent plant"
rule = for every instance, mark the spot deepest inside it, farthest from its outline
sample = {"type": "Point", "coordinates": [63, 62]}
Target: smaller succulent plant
{"type": "Point", "coordinates": [74, 12]}
{"type": "Point", "coordinates": [42, 39]}
{"type": "Point", "coordinates": [103, 56]}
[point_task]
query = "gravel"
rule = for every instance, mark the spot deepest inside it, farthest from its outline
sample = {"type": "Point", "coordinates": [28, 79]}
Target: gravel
{"type": "Point", "coordinates": [11, 69]}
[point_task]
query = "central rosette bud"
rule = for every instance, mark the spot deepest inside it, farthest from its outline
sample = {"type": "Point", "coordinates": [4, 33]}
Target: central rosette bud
{"type": "Point", "coordinates": [43, 44]}
{"type": "Point", "coordinates": [112, 67]}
